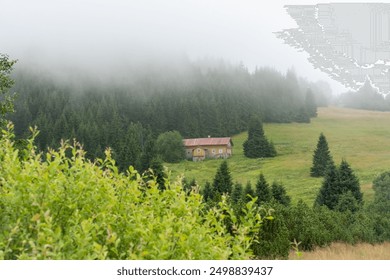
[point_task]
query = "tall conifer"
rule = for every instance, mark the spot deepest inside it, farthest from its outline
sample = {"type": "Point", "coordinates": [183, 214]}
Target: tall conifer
{"type": "Point", "coordinates": [257, 145]}
{"type": "Point", "coordinates": [339, 188]}
{"type": "Point", "coordinates": [263, 191]}
{"type": "Point", "coordinates": [223, 180]}
{"type": "Point", "coordinates": [321, 158]}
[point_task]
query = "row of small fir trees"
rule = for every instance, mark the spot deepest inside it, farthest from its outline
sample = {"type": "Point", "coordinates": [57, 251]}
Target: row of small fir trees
{"type": "Point", "coordinates": [239, 195]}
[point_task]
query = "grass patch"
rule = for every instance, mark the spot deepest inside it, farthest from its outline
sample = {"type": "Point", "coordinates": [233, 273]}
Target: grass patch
{"type": "Point", "coordinates": [361, 137]}
{"type": "Point", "coordinates": [342, 251]}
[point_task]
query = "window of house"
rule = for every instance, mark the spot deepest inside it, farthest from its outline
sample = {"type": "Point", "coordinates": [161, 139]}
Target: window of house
{"type": "Point", "coordinates": [220, 151]}
{"type": "Point", "coordinates": [198, 151]}
{"type": "Point", "coordinates": [213, 151]}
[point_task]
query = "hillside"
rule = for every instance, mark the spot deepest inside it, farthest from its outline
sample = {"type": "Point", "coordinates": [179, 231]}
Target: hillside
{"type": "Point", "coordinates": [361, 137]}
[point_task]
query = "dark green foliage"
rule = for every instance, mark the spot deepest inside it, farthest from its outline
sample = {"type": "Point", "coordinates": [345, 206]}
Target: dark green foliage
{"type": "Point", "coordinates": [310, 104]}
{"type": "Point", "coordinates": [136, 147]}
{"type": "Point", "coordinates": [223, 180]}
{"type": "Point", "coordinates": [263, 192]}
{"type": "Point", "coordinates": [328, 193]}
{"type": "Point", "coordinates": [379, 209]}
{"type": "Point", "coordinates": [169, 146]}
{"type": "Point", "coordinates": [257, 145]}
{"type": "Point", "coordinates": [279, 194]}
{"type": "Point", "coordinates": [156, 173]}
{"type": "Point", "coordinates": [304, 226]}
{"type": "Point", "coordinates": [188, 186]}
{"type": "Point", "coordinates": [273, 238]}
{"type": "Point", "coordinates": [338, 182]}
{"type": "Point", "coordinates": [381, 186]}
{"type": "Point", "coordinates": [320, 226]}
{"type": "Point", "coordinates": [347, 202]}
{"type": "Point", "coordinates": [321, 158]}
{"type": "Point", "coordinates": [249, 193]}
{"type": "Point", "coordinates": [348, 182]}
{"type": "Point", "coordinates": [6, 83]}
{"type": "Point", "coordinates": [237, 194]}
{"type": "Point", "coordinates": [208, 192]}
{"type": "Point", "coordinates": [237, 199]}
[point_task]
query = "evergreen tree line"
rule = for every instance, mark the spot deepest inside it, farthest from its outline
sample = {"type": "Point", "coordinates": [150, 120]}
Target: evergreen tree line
{"type": "Point", "coordinates": [128, 117]}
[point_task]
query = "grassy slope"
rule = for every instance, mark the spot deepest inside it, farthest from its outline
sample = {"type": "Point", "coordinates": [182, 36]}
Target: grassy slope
{"type": "Point", "coordinates": [361, 137]}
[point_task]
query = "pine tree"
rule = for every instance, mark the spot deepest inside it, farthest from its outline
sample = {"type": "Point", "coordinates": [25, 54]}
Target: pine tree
{"type": "Point", "coordinates": [208, 192]}
{"type": "Point", "coordinates": [223, 180]}
{"type": "Point", "coordinates": [348, 182]}
{"type": "Point", "coordinates": [328, 194]}
{"type": "Point", "coordinates": [237, 194]}
{"type": "Point", "coordinates": [279, 194]}
{"type": "Point", "coordinates": [340, 189]}
{"type": "Point", "coordinates": [237, 199]}
{"type": "Point", "coordinates": [257, 145]}
{"type": "Point", "coordinates": [263, 191]}
{"type": "Point", "coordinates": [321, 158]}
{"type": "Point", "coordinates": [157, 171]}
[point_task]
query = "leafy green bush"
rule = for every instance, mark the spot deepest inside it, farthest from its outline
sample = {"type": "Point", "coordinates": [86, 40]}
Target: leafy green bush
{"type": "Point", "coordinates": [62, 206]}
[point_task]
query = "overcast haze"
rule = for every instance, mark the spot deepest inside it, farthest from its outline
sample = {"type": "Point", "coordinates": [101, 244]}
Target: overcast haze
{"type": "Point", "coordinates": [106, 33]}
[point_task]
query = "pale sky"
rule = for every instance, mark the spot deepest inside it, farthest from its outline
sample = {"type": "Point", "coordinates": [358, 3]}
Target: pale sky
{"type": "Point", "coordinates": [106, 32]}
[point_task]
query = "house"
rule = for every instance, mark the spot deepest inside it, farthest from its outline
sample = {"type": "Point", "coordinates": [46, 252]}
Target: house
{"type": "Point", "coordinates": [201, 148]}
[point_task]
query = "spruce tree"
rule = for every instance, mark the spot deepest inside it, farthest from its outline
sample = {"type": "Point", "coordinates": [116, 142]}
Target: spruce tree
{"type": "Point", "coordinates": [223, 180]}
{"type": "Point", "coordinates": [328, 194]}
{"type": "Point", "coordinates": [156, 171]}
{"type": "Point", "coordinates": [263, 191]}
{"type": "Point", "coordinates": [208, 192]}
{"type": "Point", "coordinates": [348, 182]}
{"type": "Point", "coordinates": [321, 158]}
{"type": "Point", "coordinates": [340, 189]}
{"type": "Point", "coordinates": [257, 145]}
{"type": "Point", "coordinates": [237, 199]}
{"type": "Point", "coordinates": [237, 194]}
{"type": "Point", "coordinates": [279, 194]}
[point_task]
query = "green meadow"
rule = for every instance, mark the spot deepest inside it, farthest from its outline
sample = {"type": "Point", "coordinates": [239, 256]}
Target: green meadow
{"type": "Point", "coordinates": [361, 137]}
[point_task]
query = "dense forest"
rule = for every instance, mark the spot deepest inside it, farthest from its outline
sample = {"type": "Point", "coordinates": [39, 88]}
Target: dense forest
{"type": "Point", "coordinates": [128, 113]}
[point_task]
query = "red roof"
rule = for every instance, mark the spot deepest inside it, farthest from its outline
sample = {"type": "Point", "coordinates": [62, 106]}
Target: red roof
{"type": "Point", "coordinates": [206, 141]}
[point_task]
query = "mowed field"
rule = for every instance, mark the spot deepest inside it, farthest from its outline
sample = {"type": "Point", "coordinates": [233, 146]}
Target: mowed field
{"type": "Point", "coordinates": [361, 137]}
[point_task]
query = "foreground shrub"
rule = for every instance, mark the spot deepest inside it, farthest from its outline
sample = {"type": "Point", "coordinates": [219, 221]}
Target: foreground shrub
{"type": "Point", "coordinates": [62, 206]}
